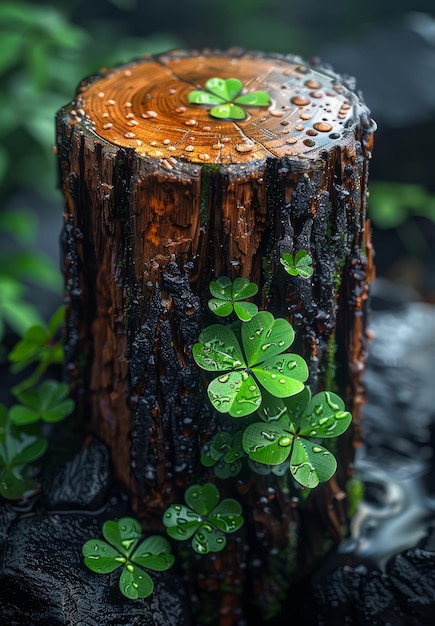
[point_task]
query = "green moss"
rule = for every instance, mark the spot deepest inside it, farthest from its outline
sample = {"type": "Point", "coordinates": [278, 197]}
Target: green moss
{"type": "Point", "coordinates": [331, 366]}
{"type": "Point", "coordinates": [355, 492]}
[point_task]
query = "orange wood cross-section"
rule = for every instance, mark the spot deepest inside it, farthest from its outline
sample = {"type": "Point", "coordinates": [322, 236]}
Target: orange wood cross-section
{"type": "Point", "coordinates": [145, 105]}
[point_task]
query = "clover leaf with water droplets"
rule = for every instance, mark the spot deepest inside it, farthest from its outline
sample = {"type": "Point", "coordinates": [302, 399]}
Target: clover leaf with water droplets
{"type": "Point", "coordinates": [205, 519]}
{"type": "Point", "coordinates": [297, 265]}
{"type": "Point", "coordinates": [122, 547]}
{"type": "Point", "coordinates": [286, 431]}
{"type": "Point", "coordinates": [224, 95]}
{"type": "Point", "coordinates": [261, 363]}
{"type": "Point", "coordinates": [228, 296]}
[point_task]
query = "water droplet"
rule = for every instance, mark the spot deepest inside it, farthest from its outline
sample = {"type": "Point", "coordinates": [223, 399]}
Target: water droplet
{"type": "Point", "coordinates": [312, 84]}
{"type": "Point", "coordinates": [341, 415]}
{"type": "Point", "coordinates": [177, 507]}
{"type": "Point", "coordinates": [313, 433]}
{"type": "Point", "coordinates": [334, 136]}
{"type": "Point", "coordinates": [194, 495]}
{"type": "Point", "coordinates": [207, 527]}
{"type": "Point", "coordinates": [284, 442]}
{"type": "Point", "coordinates": [281, 343]}
{"type": "Point", "coordinates": [130, 568]}
{"type": "Point", "coordinates": [168, 514]}
{"type": "Point", "coordinates": [317, 449]}
{"type": "Point", "coordinates": [323, 420]}
{"type": "Point", "coordinates": [318, 409]}
{"type": "Point", "coordinates": [309, 142]}
{"type": "Point", "coordinates": [311, 132]}
{"type": "Point", "coordinates": [322, 127]}
{"type": "Point", "coordinates": [273, 375]}
{"type": "Point", "coordinates": [219, 540]}
{"type": "Point", "coordinates": [223, 379]}
{"type": "Point", "coordinates": [282, 381]}
{"type": "Point", "coordinates": [135, 585]}
{"type": "Point", "coordinates": [300, 101]}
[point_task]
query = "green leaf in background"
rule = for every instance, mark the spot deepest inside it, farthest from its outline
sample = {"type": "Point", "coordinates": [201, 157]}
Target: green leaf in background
{"type": "Point", "coordinates": [18, 448]}
{"type": "Point", "coordinates": [48, 402]}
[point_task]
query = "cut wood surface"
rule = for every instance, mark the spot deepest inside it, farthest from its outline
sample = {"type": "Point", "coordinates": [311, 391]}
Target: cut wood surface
{"type": "Point", "coordinates": [163, 194]}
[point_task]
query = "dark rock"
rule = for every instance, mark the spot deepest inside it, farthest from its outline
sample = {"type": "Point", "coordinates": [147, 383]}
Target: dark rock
{"type": "Point", "coordinates": [43, 581]}
{"type": "Point", "coordinates": [80, 483]}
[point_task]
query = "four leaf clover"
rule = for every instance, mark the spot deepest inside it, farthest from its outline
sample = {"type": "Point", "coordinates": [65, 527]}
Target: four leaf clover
{"type": "Point", "coordinates": [261, 362]}
{"type": "Point", "coordinates": [227, 295]}
{"type": "Point", "coordinates": [291, 425]}
{"type": "Point", "coordinates": [205, 519]}
{"type": "Point", "coordinates": [122, 547]}
{"type": "Point", "coordinates": [297, 265]}
{"type": "Point", "coordinates": [224, 94]}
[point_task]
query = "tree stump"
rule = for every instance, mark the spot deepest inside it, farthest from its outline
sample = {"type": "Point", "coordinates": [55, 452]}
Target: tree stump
{"type": "Point", "coordinates": [166, 191]}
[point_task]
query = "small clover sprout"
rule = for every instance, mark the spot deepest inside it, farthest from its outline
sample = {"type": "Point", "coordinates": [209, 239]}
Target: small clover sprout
{"type": "Point", "coordinates": [205, 519]}
{"type": "Point", "coordinates": [237, 389]}
{"type": "Point", "coordinates": [224, 453]}
{"type": "Point", "coordinates": [122, 547]}
{"type": "Point", "coordinates": [227, 297]}
{"type": "Point", "coordinates": [224, 94]}
{"type": "Point", "coordinates": [18, 448]}
{"type": "Point", "coordinates": [297, 265]}
{"type": "Point", "coordinates": [48, 402]}
{"type": "Point", "coordinates": [291, 428]}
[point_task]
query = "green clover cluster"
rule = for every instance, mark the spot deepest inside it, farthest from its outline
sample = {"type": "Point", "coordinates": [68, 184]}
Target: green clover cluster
{"type": "Point", "coordinates": [122, 547]}
{"type": "Point", "coordinates": [224, 95]}
{"type": "Point", "coordinates": [254, 377]}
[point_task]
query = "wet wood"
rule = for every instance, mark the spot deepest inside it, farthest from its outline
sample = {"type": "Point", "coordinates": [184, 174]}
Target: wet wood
{"type": "Point", "coordinates": [160, 198]}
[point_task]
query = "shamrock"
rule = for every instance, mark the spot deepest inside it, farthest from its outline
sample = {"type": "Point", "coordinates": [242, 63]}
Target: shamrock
{"type": "Point", "coordinates": [224, 453]}
{"type": "Point", "coordinates": [122, 548]}
{"type": "Point", "coordinates": [286, 431]}
{"type": "Point", "coordinates": [18, 448]}
{"type": "Point", "coordinates": [264, 338]}
{"type": "Point", "coordinates": [205, 519]}
{"type": "Point", "coordinates": [227, 296]}
{"type": "Point", "coordinates": [224, 94]}
{"type": "Point", "coordinates": [297, 265]}
{"type": "Point", "coordinates": [49, 402]}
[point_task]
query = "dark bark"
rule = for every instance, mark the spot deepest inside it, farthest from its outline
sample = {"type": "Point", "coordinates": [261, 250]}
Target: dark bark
{"type": "Point", "coordinates": [144, 235]}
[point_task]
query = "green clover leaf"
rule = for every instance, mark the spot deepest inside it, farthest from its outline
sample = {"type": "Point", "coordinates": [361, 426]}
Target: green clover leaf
{"type": "Point", "coordinates": [204, 519]}
{"type": "Point", "coordinates": [49, 402]}
{"type": "Point", "coordinates": [227, 297]}
{"type": "Point", "coordinates": [224, 94]}
{"type": "Point", "coordinates": [122, 548]}
{"type": "Point", "coordinates": [298, 265]}
{"type": "Point", "coordinates": [224, 452]}
{"type": "Point", "coordinates": [38, 344]}
{"type": "Point", "coordinates": [264, 338]}
{"type": "Point", "coordinates": [18, 448]}
{"type": "Point", "coordinates": [286, 429]}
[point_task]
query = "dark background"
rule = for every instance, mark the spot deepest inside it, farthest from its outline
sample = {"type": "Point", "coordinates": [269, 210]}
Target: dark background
{"type": "Point", "coordinates": [47, 48]}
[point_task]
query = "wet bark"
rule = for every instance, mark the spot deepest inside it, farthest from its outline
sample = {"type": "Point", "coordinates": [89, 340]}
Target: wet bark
{"type": "Point", "coordinates": [144, 235]}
